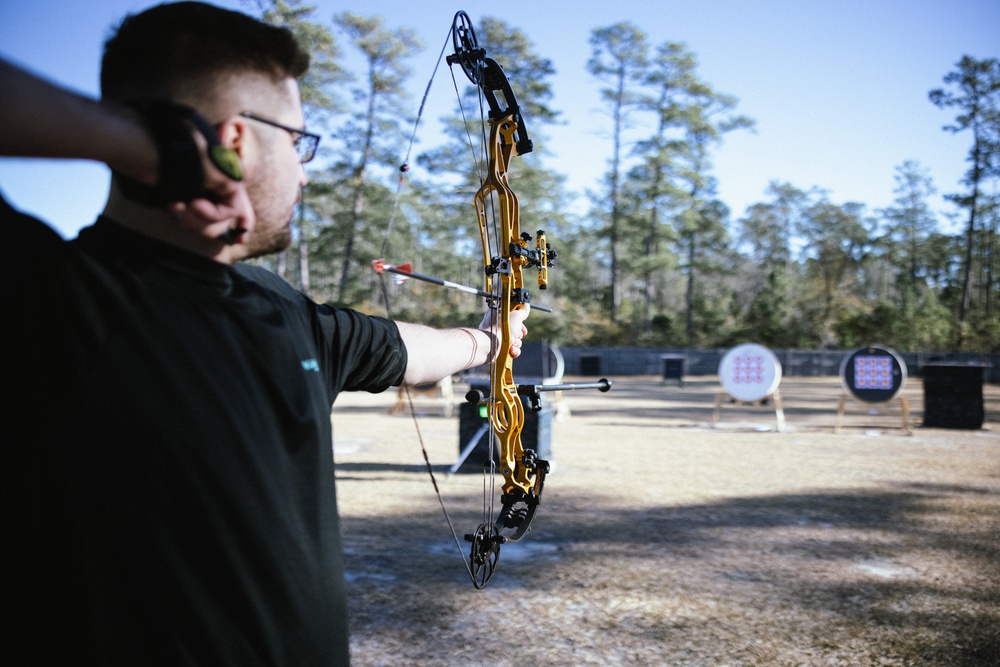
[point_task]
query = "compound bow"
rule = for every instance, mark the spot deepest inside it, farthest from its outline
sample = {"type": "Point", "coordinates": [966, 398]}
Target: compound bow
{"type": "Point", "coordinates": [507, 251]}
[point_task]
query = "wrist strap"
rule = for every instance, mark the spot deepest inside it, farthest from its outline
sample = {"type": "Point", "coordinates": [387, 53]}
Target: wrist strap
{"type": "Point", "coordinates": [181, 176]}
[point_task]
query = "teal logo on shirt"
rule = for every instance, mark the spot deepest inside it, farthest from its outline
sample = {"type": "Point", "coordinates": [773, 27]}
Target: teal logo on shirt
{"type": "Point", "coordinates": [310, 365]}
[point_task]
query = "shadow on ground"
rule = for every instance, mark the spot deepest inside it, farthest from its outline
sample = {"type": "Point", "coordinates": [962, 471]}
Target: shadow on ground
{"type": "Point", "coordinates": [904, 575]}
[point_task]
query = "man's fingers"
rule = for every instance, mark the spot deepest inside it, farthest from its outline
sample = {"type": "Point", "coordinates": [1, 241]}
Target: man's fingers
{"type": "Point", "coordinates": [229, 217]}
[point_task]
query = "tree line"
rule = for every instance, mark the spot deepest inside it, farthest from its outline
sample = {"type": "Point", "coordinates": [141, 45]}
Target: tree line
{"type": "Point", "coordinates": [658, 260]}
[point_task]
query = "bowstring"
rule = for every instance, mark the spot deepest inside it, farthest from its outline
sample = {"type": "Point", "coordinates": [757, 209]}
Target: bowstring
{"type": "Point", "coordinates": [385, 298]}
{"type": "Point", "coordinates": [403, 168]}
{"type": "Point", "coordinates": [423, 449]}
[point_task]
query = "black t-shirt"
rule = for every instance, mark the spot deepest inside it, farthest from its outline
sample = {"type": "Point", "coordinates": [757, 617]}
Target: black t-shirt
{"type": "Point", "coordinates": [167, 453]}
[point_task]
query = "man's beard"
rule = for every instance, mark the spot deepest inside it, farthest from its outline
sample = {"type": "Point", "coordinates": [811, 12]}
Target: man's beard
{"type": "Point", "coordinates": [269, 236]}
{"type": "Point", "coordinates": [274, 242]}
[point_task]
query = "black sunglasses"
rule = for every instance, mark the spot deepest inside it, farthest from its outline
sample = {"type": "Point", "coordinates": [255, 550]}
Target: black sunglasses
{"type": "Point", "coordinates": [305, 142]}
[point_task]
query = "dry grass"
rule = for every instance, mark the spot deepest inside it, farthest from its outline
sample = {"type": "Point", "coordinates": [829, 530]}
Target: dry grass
{"type": "Point", "coordinates": [664, 541]}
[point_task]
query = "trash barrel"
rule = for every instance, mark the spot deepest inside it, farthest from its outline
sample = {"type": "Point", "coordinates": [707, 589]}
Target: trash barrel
{"type": "Point", "coordinates": [673, 368]}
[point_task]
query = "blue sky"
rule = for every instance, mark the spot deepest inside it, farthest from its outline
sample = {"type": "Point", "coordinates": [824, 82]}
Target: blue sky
{"type": "Point", "coordinates": [838, 88]}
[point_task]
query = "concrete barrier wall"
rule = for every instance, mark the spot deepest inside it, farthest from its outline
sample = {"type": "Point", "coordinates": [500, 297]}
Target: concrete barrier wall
{"type": "Point", "coordinates": [598, 361]}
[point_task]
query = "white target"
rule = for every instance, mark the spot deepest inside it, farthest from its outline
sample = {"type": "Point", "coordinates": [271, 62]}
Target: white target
{"type": "Point", "coordinates": [749, 372]}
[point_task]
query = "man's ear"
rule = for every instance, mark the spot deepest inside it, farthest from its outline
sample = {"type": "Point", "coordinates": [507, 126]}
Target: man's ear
{"type": "Point", "coordinates": [232, 152]}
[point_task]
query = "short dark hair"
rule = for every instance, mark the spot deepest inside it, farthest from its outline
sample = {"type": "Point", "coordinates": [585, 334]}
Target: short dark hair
{"type": "Point", "coordinates": [160, 51]}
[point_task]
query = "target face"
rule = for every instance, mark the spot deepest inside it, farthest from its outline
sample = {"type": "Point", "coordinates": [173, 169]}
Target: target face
{"type": "Point", "coordinates": [873, 374]}
{"type": "Point", "coordinates": [749, 372]}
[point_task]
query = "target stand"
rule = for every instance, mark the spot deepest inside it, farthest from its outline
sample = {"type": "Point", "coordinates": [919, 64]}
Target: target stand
{"type": "Point", "coordinates": [873, 376]}
{"type": "Point", "coordinates": [750, 375]}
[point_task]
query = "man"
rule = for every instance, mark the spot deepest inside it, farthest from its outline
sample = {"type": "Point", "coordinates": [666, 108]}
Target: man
{"type": "Point", "coordinates": [170, 488]}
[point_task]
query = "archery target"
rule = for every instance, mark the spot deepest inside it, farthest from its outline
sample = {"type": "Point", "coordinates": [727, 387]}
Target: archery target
{"type": "Point", "coordinates": [749, 372]}
{"type": "Point", "coordinates": [873, 374]}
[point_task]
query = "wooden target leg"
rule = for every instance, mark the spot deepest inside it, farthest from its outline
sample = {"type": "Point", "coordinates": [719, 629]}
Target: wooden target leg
{"type": "Point", "coordinates": [779, 412]}
{"type": "Point", "coordinates": [904, 403]}
{"type": "Point", "coordinates": [718, 407]}
{"type": "Point", "coordinates": [840, 414]}
{"type": "Point", "coordinates": [400, 401]}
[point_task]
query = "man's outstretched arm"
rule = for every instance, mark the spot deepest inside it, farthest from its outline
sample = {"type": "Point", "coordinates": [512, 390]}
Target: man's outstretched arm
{"type": "Point", "coordinates": [437, 353]}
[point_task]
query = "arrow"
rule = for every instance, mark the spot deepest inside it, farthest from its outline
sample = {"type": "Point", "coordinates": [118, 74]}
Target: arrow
{"type": "Point", "coordinates": [406, 271]}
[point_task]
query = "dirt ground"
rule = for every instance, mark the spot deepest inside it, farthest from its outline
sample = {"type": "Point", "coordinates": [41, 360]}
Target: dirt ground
{"type": "Point", "coordinates": [665, 539]}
